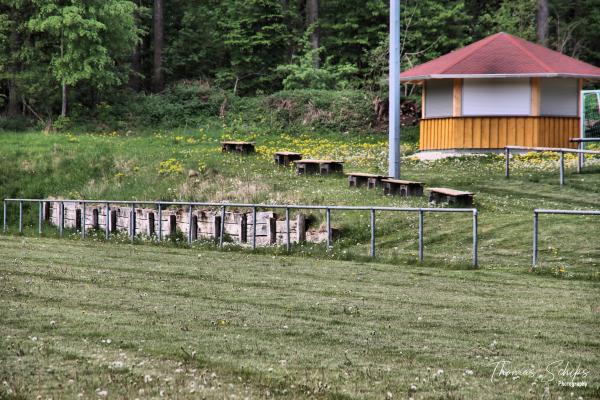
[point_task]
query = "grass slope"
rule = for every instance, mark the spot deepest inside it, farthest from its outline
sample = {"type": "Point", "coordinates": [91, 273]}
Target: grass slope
{"type": "Point", "coordinates": [154, 165]}
{"type": "Point", "coordinates": [94, 319]}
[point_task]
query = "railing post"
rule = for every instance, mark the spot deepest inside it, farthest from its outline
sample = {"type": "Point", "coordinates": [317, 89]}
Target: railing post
{"type": "Point", "coordinates": [421, 220]}
{"type": "Point", "coordinates": [20, 217]}
{"type": "Point", "coordinates": [254, 228]}
{"type": "Point", "coordinates": [40, 216]}
{"type": "Point", "coordinates": [507, 167]}
{"type": "Point", "coordinates": [372, 232]}
{"type": "Point", "coordinates": [287, 229]}
{"type": "Point", "coordinates": [475, 239]}
{"type": "Point", "coordinates": [107, 222]}
{"type": "Point", "coordinates": [579, 157]}
{"type": "Point", "coordinates": [4, 220]}
{"type": "Point", "coordinates": [159, 222]}
{"type": "Point", "coordinates": [562, 168]}
{"type": "Point", "coordinates": [328, 227]}
{"type": "Point", "coordinates": [61, 222]}
{"type": "Point", "coordinates": [190, 226]}
{"type": "Point", "coordinates": [222, 233]}
{"type": "Point", "coordinates": [535, 238]}
{"type": "Point", "coordinates": [83, 220]}
{"type": "Point", "coordinates": [132, 223]}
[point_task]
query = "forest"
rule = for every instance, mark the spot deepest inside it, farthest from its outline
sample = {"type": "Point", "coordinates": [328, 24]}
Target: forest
{"type": "Point", "coordinates": [108, 60]}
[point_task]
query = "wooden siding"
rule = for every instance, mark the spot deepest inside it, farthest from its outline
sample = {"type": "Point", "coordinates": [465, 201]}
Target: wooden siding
{"type": "Point", "coordinates": [497, 132]}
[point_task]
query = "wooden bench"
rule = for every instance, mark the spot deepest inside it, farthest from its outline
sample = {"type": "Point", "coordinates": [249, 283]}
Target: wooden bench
{"type": "Point", "coordinates": [237, 147]}
{"type": "Point", "coordinates": [357, 179]}
{"type": "Point", "coordinates": [402, 187]}
{"type": "Point", "coordinates": [450, 196]}
{"type": "Point", "coordinates": [322, 167]}
{"type": "Point", "coordinates": [286, 157]}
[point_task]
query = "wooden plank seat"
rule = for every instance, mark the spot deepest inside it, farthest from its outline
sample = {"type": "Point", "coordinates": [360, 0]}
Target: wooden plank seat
{"type": "Point", "coordinates": [357, 179]}
{"type": "Point", "coordinates": [286, 157]}
{"type": "Point", "coordinates": [237, 147]}
{"type": "Point", "coordinates": [322, 167]}
{"type": "Point", "coordinates": [402, 187]}
{"type": "Point", "coordinates": [450, 196]}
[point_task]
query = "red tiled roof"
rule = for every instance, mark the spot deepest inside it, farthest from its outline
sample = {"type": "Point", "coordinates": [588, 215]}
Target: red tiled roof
{"type": "Point", "coordinates": [502, 55]}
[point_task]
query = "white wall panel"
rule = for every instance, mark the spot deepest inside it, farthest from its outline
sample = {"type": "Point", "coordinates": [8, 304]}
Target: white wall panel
{"type": "Point", "coordinates": [559, 97]}
{"type": "Point", "coordinates": [438, 98]}
{"type": "Point", "coordinates": [499, 96]}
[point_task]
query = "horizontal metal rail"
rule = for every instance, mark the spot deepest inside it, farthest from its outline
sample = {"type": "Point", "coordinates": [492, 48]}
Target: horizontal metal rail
{"type": "Point", "coordinates": [580, 145]}
{"type": "Point", "coordinates": [536, 214]}
{"type": "Point", "coordinates": [584, 140]}
{"type": "Point", "coordinates": [160, 205]}
{"type": "Point", "coordinates": [561, 151]}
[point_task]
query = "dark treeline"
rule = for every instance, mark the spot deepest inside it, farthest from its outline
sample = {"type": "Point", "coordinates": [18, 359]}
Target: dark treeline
{"type": "Point", "coordinates": [61, 57]}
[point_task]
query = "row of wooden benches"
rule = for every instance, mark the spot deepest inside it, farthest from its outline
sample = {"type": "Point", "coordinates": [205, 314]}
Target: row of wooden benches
{"type": "Point", "coordinates": [356, 179]}
{"type": "Point", "coordinates": [409, 188]}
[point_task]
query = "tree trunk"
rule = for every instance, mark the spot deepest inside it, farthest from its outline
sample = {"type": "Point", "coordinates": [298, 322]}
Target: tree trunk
{"type": "Point", "coordinates": [542, 21]}
{"type": "Point", "coordinates": [63, 108]}
{"type": "Point", "coordinates": [135, 81]}
{"type": "Point", "coordinates": [157, 73]}
{"type": "Point", "coordinates": [312, 20]}
{"type": "Point", "coordinates": [13, 99]}
{"type": "Point", "coordinates": [135, 75]}
{"type": "Point", "coordinates": [13, 68]}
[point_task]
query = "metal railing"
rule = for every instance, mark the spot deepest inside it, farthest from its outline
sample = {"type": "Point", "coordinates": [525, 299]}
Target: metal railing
{"type": "Point", "coordinates": [536, 214]}
{"type": "Point", "coordinates": [561, 151]}
{"type": "Point", "coordinates": [254, 207]}
{"type": "Point", "coordinates": [580, 145]}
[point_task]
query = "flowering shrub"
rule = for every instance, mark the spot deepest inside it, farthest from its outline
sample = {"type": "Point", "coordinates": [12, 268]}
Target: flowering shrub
{"type": "Point", "coordinates": [170, 167]}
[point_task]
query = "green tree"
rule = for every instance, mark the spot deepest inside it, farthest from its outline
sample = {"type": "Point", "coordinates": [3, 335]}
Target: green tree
{"type": "Point", "coordinates": [256, 38]}
{"type": "Point", "coordinates": [304, 73]}
{"type": "Point", "coordinates": [86, 38]}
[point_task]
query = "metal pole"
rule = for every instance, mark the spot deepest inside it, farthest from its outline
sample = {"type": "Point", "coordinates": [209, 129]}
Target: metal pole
{"type": "Point", "coordinates": [421, 218]}
{"type": "Point", "coordinates": [107, 222]}
{"type": "Point", "coordinates": [372, 232]}
{"type": "Point", "coordinates": [61, 223]}
{"type": "Point", "coordinates": [507, 169]}
{"type": "Point", "coordinates": [287, 229]}
{"type": "Point", "coordinates": [579, 159]}
{"type": "Point", "coordinates": [132, 222]}
{"type": "Point", "coordinates": [20, 217]}
{"type": "Point", "coordinates": [4, 226]}
{"type": "Point", "coordinates": [535, 238]}
{"type": "Point", "coordinates": [190, 226]}
{"type": "Point", "coordinates": [222, 233]}
{"type": "Point", "coordinates": [562, 168]}
{"type": "Point", "coordinates": [328, 227]}
{"type": "Point", "coordinates": [40, 216]}
{"type": "Point", "coordinates": [475, 239]}
{"type": "Point", "coordinates": [582, 123]}
{"type": "Point", "coordinates": [394, 90]}
{"type": "Point", "coordinates": [253, 228]}
{"type": "Point", "coordinates": [83, 220]}
{"type": "Point", "coordinates": [159, 222]}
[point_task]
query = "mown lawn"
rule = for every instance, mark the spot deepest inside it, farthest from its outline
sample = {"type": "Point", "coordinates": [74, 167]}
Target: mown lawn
{"type": "Point", "coordinates": [121, 321]}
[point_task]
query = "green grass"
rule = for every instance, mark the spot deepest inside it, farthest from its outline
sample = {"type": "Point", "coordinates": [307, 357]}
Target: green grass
{"type": "Point", "coordinates": [138, 321]}
{"type": "Point", "coordinates": [127, 166]}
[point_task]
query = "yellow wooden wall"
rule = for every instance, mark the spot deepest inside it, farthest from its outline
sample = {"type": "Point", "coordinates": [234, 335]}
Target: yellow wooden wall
{"type": "Point", "coordinates": [497, 132]}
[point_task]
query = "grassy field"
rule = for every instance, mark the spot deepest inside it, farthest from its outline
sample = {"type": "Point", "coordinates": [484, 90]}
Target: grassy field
{"type": "Point", "coordinates": [154, 166]}
{"type": "Point", "coordinates": [119, 321]}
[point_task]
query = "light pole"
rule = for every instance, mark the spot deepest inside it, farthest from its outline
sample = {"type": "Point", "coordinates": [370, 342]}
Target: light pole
{"type": "Point", "coordinates": [394, 91]}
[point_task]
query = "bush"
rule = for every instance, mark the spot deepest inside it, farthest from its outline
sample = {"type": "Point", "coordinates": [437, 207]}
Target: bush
{"type": "Point", "coordinates": [16, 124]}
{"type": "Point", "coordinates": [346, 110]}
{"type": "Point", "coordinates": [192, 103]}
